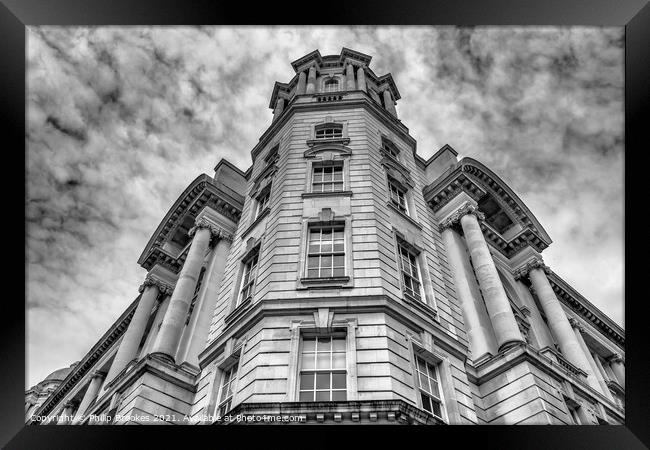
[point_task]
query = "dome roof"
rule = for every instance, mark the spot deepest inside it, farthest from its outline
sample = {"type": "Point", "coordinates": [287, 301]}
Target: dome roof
{"type": "Point", "coordinates": [60, 374]}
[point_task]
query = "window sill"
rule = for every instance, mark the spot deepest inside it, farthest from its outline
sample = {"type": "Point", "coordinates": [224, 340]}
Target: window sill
{"type": "Point", "coordinates": [404, 215]}
{"type": "Point", "coordinates": [421, 306]}
{"type": "Point", "coordinates": [327, 194]}
{"type": "Point", "coordinates": [312, 142]}
{"type": "Point", "coordinates": [239, 310]}
{"type": "Point", "coordinates": [257, 220]}
{"type": "Point", "coordinates": [324, 283]}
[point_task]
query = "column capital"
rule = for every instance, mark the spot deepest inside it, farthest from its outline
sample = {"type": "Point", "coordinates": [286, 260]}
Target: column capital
{"type": "Point", "coordinates": [454, 218]}
{"type": "Point", "coordinates": [215, 230]}
{"type": "Point", "coordinates": [616, 358]}
{"type": "Point", "coordinates": [575, 324]}
{"type": "Point", "coordinates": [523, 271]}
{"type": "Point", "coordinates": [163, 288]}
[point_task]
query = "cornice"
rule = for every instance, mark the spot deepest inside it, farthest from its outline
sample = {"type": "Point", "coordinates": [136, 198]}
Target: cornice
{"type": "Point", "coordinates": [585, 309]}
{"type": "Point", "coordinates": [87, 363]}
{"type": "Point", "coordinates": [202, 192]}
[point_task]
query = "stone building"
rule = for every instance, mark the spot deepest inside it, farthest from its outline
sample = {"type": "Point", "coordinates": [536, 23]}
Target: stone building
{"type": "Point", "coordinates": [343, 278]}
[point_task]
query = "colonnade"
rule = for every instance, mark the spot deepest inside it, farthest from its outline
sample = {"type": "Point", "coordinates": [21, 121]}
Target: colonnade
{"type": "Point", "coordinates": [567, 332]}
{"type": "Point", "coordinates": [178, 299]}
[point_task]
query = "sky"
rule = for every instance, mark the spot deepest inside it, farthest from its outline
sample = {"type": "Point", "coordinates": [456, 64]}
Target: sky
{"type": "Point", "coordinates": [121, 119]}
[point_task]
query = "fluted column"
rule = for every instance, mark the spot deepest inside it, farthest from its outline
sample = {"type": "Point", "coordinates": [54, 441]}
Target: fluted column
{"type": "Point", "coordinates": [361, 79]}
{"type": "Point", "coordinates": [311, 81]}
{"type": "Point", "coordinates": [174, 321]}
{"type": "Point", "coordinates": [481, 340]}
{"type": "Point", "coordinates": [618, 367]}
{"type": "Point", "coordinates": [593, 376]}
{"type": "Point", "coordinates": [389, 103]}
{"type": "Point", "coordinates": [66, 414]}
{"type": "Point", "coordinates": [498, 306]}
{"type": "Point", "coordinates": [302, 83]}
{"type": "Point", "coordinates": [199, 325]}
{"type": "Point", "coordinates": [90, 395]}
{"type": "Point", "coordinates": [128, 349]}
{"type": "Point", "coordinates": [349, 77]}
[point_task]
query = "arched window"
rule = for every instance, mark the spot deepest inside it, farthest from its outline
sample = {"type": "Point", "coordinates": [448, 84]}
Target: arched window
{"type": "Point", "coordinates": [332, 85]}
{"type": "Point", "coordinates": [329, 131]}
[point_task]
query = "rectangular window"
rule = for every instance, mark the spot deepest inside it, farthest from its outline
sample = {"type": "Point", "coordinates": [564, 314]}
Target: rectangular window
{"type": "Point", "coordinates": [427, 377]}
{"type": "Point", "coordinates": [398, 196]}
{"type": "Point", "coordinates": [329, 132]}
{"type": "Point", "coordinates": [389, 148]}
{"type": "Point", "coordinates": [410, 272]}
{"type": "Point", "coordinates": [262, 202]}
{"type": "Point", "coordinates": [322, 373]}
{"type": "Point", "coordinates": [326, 252]}
{"type": "Point", "coordinates": [248, 278]}
{"type": "Point", "coordinates": [327, 178]}
{"type": "Point", "coordinates": [226, 391]}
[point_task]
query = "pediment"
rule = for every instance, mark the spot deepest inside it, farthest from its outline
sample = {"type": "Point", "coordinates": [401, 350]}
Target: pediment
{"type": "Point", "coordinates": [397, 172]}
{"type": "Point", "coordinates": [333, 148]}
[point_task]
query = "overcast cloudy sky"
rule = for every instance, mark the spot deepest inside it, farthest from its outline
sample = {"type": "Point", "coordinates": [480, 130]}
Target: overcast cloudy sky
{"type": "Point", "coordinates": [121, 119]}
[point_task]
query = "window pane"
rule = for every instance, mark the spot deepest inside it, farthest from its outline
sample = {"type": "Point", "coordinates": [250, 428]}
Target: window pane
{"type": "Point", "coordinates": [308, 362]}
{"type": "Point", "coordinates": [339, 396]}
{"type": "Point", "coordinates": [323, 361]}
{"type": "Point", "coordinates": [307, 396]}
{"type": "Point", "coordinates": [424, 383]}
{"type": "Point", "coordinates": [326, 261]}
{"type": "Point", "coordinates": [338, 234]}
{"type": "Point", "coordinates": [426, 404]}
{"type": "Point", "coordinates": [339, 247]}
{"type": "Point", "coordinates": [323, 380]}
{"type": "Point", "coordinates": [338, 381]}
{"type": "Point", "coordinates": [436, 408]}
{"type": "Point", "coordinates": [312, 262]}
{"type": "Point", "coordinates": [338, 345]}
{"type": "Point", "coordinates": [326, 272]}
{"type": "Point", "coordinates": [312, 273]}
{"type": "Point", "coordinates": [322, 396]}
{"type": "Point", "coordinates": [338, 186]}
{"type": "Point", "coordinates": [314, 248]}
{"type": "Point", "coordinates": [338, 361]}
{"type": "Point", "coordinates": [308, 345]}
{"type": "Point", "coordinates": [306, 381]}
{"type": "Point", "coordinates": [318, 176]}
{"type": "Point", "coordinates": [338, 272]}
{"type": "Point", "coordinates": [324, 344]}
{"type": "Point", "coordinates": [327, 187]}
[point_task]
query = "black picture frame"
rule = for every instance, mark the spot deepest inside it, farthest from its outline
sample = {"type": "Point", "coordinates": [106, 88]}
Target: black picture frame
{"type": "Point", "coordinates": [634, 15]}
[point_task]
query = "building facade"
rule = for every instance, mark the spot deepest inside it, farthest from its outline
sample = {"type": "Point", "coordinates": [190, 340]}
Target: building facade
{"type": "Point", "coordinates": [342, 278]}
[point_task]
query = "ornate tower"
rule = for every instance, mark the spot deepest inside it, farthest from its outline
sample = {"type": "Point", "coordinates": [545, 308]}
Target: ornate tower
{"type": "Point", "coordinates": [343, 278]}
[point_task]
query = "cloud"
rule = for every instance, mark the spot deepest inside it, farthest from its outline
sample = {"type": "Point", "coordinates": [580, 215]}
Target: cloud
{"type": "Point", "coordinates": [121, 119]}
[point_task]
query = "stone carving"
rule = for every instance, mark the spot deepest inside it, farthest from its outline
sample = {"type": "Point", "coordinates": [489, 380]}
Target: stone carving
{"type": "Point", "coordinates": [164, 288]}
{"type": "Point", "coordinates": [575, 324]}
{"type": "Point", "coordinates": [466, 208]}
{"type": "Point", "coordinates": [523, 271]}
{"type": "Point", "coordinates": [616, 358]}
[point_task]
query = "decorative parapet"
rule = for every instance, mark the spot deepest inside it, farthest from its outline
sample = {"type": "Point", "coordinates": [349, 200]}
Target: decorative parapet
{"type": "Point", "coordinates": [466, 208]}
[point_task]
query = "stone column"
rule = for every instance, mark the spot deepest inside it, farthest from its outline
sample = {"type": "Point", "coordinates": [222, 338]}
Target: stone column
{"type": "Point", "coordinates": [66, 414]}
{"type": "Point", "coordinates": [199, 325]}
{"type": "Point", "coordinates": [153, 332]}
{"type": "Point", "coordinates": [128, 348]}
{"type": "Point", "coordinates": [349, 76]}
{"type": "Point", "coordinates": [90, 395]}
{"type": "Point", "coordinates": [618, 367]}
{"type": "Point", "coordinates": [174, 321]}
{"type": "Point", "coordinates": [279, 107]}
{"type": "Point", "coordinates": [302, 83]}
{"type": "Point", "coordinates": [593, 376]}
{"type": "Point", "coordinates": [389, 103]}
{"type": "Point", "coordinates": [476, 324]}
{"type": "Point", "coordinates": [602, 377]}
{"type": "Point", "coordinates": [498, 306]}
{"type": "Point", "coordinates": [311, 81]}
{"type": "Point", "coordinates": [557, 319]}
{"type": "Point", "coordinates": [361, 79]}
{"type": "Point", "coordinates": [375, 96]}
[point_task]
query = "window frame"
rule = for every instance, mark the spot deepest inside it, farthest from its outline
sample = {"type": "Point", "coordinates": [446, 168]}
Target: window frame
{"type": "Point", "coordinates": [330, 81]}
{"type": "Point", "coordinates": [401, 191]}
{"type": "Point", "coordinates": [232, 383]}
{"type": "Point", "coordinates": [333, 253]}
{"type": "Point", "coordinates": [253, 255]}
{"type": "Point", "coordinates": [329, 131]}
{"type": "Point", "coordinates": [331, 370]}
{"type": "Point", "coordinates": [402, 244]}
{"type": "Point", "coordinates": [323, 165]}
